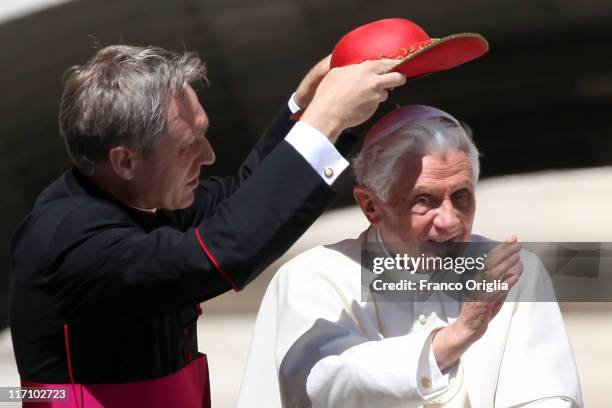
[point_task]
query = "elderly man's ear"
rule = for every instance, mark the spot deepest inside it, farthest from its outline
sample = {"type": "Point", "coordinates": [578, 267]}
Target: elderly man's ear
{"type": "Point", "coordinates": [370, 204]}
{"type": "Point", "coordinates": [122, 161]}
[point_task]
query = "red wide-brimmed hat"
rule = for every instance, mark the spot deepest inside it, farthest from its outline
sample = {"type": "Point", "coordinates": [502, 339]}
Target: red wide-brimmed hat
{"type": "Point", "coordinates": [401, 39]}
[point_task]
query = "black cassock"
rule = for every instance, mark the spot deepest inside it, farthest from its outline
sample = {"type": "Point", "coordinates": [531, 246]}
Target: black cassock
{"type": "Point", "coordinates": [128, 283]}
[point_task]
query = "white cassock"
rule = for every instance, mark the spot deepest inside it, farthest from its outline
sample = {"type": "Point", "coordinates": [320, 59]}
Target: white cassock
{"type": "Point", "coordinates": [315, 343]}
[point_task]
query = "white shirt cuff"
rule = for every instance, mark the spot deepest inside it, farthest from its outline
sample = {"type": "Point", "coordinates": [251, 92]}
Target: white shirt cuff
{"type": "Point", "coordinates": [293, 107]}
{"type": "Point", "coordinates": [317, 150]}
{"type": "Point", "coordinates": [430, 379]}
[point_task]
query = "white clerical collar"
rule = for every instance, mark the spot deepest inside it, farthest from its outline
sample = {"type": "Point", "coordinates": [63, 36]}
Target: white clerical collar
{"type": "Point", "coordinates": [147, 210]}
{"type": "Point", "coordinates": [381, 242]}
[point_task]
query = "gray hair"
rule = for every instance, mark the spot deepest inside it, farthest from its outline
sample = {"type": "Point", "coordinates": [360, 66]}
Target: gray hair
{"type": "Point", "coordinates": [376, 167]}
{"type": "Point", "coordinates": [119, 98]}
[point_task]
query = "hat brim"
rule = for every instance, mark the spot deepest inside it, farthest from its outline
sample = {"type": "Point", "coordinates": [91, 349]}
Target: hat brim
{"type": "Point", "coordinates": [441, 54]}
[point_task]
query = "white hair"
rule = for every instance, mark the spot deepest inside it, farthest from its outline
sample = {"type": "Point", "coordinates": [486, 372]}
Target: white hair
{"type": "Point", "coordinates": [376, 166]}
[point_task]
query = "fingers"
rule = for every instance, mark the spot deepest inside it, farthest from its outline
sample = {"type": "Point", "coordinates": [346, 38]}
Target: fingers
{"type": "Point", "coordinates": [501, 253]}
{"type": "Point", "coordinates": [504, 266]}
{"type": "Point", "coordinates": [512, 276]}
{"type": "Point", "coordinates": [391, 80]}
{"type": "Point", "coordinates": [386, 78]}
{"type": "Point", "coordinates": [381, 66]}
{"type": "Point", "coordinates": [323, 66]}
{"type": "Point", "coordinates": [383, 95]}
{"type": "Point", "coordinates": [346, 96]}
{"type": "Point", "coordinates": [508, 271]}
{"type": "Point", "coordinates": [512, 280]}
{"type": "Point", "coordinates": [504, 262]}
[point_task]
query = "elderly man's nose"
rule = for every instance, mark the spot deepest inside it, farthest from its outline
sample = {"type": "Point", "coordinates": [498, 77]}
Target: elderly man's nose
{"type": "Point", "coordinates": [446, 217]}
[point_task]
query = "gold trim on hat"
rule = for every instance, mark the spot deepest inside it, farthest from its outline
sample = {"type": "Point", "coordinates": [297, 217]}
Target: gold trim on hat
{"type": "Point", "coordinates": [429, 44]}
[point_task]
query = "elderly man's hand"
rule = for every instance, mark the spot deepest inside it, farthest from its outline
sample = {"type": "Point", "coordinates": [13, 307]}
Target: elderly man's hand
{"type": "Point", "coordinates": [503, 264]}
{"type": "Point", "coordinates": [348, 96]}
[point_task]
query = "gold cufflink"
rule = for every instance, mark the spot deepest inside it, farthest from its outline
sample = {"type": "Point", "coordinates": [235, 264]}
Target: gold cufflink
{"type": "Point", "coordinates": [328, 172]}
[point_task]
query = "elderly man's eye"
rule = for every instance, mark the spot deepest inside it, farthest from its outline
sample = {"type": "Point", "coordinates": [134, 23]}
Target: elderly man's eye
{"type": "Point", "coordinates": [423, 200]}
{"type": "Point", "coordinates": [462, 197]}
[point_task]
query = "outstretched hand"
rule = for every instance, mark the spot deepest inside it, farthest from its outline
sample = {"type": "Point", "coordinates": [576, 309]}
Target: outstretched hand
{"type": "Point", "coordinates": [348, 96]}
{"type": "Point", "coordinates": [503, 264]}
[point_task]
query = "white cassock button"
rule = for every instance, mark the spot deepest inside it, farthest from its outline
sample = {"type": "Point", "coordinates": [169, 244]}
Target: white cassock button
{"type": "Point", "coordinates": [425, 382]}
{"type": "Point", "coordinates": [328, 172]}
{"type": "Point", "coordinates": [422, 319]}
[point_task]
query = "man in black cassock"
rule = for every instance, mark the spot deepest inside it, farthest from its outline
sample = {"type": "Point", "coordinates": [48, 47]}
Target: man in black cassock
{"type": "Point", "coordinates": [110, 266]}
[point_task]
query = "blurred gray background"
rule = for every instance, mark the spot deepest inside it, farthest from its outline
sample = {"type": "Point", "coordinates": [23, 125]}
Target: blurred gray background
{"type": "Point", "coordinates": [539, 101]}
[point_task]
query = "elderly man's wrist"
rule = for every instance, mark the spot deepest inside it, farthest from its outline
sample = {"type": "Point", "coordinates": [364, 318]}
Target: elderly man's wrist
{"type": "Point", "coordinates": [465, 334]}
{"type": "Point", "coordinates": [451, 342]}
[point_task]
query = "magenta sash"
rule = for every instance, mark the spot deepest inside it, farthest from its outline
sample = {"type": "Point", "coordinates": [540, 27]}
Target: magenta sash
{"type": "Point", "coordinates": [187, 388]}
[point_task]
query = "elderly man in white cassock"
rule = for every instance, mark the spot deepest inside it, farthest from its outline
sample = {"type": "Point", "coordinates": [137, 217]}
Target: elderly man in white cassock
{"type": "Point", "coordinates": [318, 343]}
